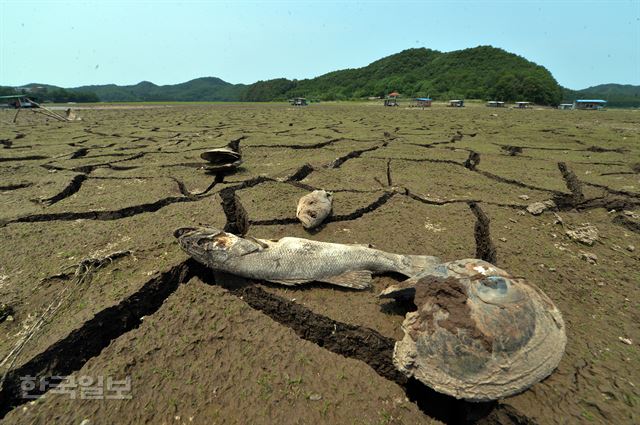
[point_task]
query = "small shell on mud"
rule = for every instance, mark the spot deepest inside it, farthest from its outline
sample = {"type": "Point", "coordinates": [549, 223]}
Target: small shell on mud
{"type": "Point", "coordinates": [479, 334]}
{"type": "Point", "coordinates": [314, 208]}
{"type": "Point", "coordinates": [222, 159]}
{"type": "Point", "coordinates": [6, 311]}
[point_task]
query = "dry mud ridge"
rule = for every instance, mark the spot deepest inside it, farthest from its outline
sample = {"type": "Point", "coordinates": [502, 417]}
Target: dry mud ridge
{"type": "Point", "coordinates": [88, 259]}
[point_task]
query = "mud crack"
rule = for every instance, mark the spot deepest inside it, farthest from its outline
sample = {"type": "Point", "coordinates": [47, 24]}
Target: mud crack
{"type": "Point", "coordinates": [366, 345]}
{"type": "Point", "coordinates": [79, 153]}
{"type": "Point", "coordinates": [24, 158]}
{"type": "Point", "coordinates": [511, 150]}
{"type": "Point", "coordinates": [15, 186]}
{"type": "Point", "coordinates": [72, 352]}
{"type": "Point", "coordinates": [472, 161]}
{"type": "Point", "coordinates": [237, 217]}
{"type": "Point", "coordinates": [74, 186]}
{"type": "Point", "coordinates": [337, 163]}
{"type": "Point", "coordinates": [104, 215]}
{"type": "Point", "coordinates": [298, 147]}
{"type": "Point", "coordinates": [485, 249]}
{"type": "Point", "coordinates": [572, 183]}
{"type": "Point", "coordinates": [625, 221]}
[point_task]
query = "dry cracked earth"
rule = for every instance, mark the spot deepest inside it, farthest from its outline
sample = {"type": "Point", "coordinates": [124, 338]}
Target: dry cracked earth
{"type": "Point", "coordinates": [93, 283]}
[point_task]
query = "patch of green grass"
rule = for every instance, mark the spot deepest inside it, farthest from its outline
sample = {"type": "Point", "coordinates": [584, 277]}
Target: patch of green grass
{"type": "Point", "coordinates": [266, 383]}
{"type": "Point", "coordinates": [588, 415]}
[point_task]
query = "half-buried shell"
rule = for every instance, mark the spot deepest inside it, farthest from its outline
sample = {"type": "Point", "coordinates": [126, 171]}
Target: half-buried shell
{"type": "Point", "coordinates": [222, 159]}
{"type": "Point", "coordinates": [479, 334]}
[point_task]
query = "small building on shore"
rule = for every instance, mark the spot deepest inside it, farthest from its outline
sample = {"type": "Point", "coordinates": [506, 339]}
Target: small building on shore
{"type": "Point", "coordinates": [392, 99]}
{"type": "Point", "coordinates": [565, 106]}
{"type": "Point", "coordinates": [590, 104]}
{"type": "Point", "coordinates": [298, 101]}
{"type": "Point", "coordinates": [16, 101]}
{"type": "Point", "coordinates": [523, 105]}
{"type": "Point", "coordinates": [456, 103]}
{"type": "Point", "coordinates": [495, 104]}
{"type": "Point", "coordinates": [423, 102]}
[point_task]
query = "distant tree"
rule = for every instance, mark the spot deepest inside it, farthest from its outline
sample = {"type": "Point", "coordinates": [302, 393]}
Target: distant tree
{"type": "Point", "coordinates": [7, 91]}
{"type": "Point", "coordinates": [481, 72]}
{"type": "Point", "coordinates": [60, 95]}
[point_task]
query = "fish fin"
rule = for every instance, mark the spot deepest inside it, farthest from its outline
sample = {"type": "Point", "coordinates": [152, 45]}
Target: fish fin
{"type": "Point", "coordinates": [418, 264]}
{"type": "Point", "coordinates": [358, 279]}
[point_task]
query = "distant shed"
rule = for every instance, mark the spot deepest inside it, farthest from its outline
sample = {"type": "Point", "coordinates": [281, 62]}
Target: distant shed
{"type": "Point", "coordinates": [17, 101]}
{"type": "Point", "coordinates": [456, 103]}
{"type": "Point", "coordinates": [495, 104]}
{"type": "Point", "coordinates": [423, 102]}
{"type": "Point", "coordinates": [591, 104]}
{"type": "Point", "coordinates": [392, 99]}
{"type": "Point", "coordinates": [298, 101]}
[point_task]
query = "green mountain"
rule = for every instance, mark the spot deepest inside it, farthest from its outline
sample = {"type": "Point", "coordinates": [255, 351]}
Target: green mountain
{"type": "Point", "coordinates": [200, 89]}
{"type": "Point", "coordinates": [617, 95]}
{"type": "Point", "coordinates": [49, 93]}
{"type": "Point", "coordinates": [482, 72]}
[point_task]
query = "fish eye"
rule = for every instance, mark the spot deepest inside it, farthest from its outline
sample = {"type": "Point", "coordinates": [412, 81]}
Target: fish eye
{"type": "Point", "coordinates": [497, 290]}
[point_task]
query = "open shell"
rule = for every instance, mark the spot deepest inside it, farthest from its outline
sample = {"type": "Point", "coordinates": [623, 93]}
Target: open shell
{"type": "Point", "coordinates": [479, 334]}
{"type": "Point", "coordinates": [221, 159]}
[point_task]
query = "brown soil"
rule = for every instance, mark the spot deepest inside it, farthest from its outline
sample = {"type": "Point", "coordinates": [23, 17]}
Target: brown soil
{"type": "Point", "coordinates": [201, 349]}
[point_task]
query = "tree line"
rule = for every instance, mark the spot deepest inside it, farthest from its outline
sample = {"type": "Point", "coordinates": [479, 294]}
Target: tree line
{"type": "Point", "coordinates": [52, 95]}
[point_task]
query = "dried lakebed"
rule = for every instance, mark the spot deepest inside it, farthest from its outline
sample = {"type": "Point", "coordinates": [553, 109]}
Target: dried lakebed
{"type": "Point", "coordinates": [209, 350]}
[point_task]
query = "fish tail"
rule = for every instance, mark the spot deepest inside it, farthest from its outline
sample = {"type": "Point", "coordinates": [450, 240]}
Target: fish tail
{"type": "Point", "coordinates": [414, 264]}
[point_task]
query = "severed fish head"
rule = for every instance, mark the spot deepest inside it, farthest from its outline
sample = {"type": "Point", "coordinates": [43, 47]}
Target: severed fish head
{"type": "Point", "coordinates": [213, 247]}
{"type": "Point", "coordinates": [314, 208]}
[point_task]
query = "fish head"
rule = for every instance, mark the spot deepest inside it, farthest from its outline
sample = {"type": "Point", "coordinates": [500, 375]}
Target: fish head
{"type": "Point", "coordinates": [314, 208]}
{"type": "Point", "coordinates": [211, 246]}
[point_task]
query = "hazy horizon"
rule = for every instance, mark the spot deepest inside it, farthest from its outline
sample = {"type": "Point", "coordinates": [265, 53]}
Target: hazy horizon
{"type": "Point", "coordinates": [71, 44]}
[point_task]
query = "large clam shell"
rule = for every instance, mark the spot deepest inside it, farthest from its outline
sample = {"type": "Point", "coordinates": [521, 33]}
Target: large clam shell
{"type": "Point", "coordinates": [479, 334]}
{"type": "Point", "coordinates": [220, 156]}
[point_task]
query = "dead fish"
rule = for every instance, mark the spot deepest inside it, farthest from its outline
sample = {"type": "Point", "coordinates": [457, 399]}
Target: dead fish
{"type": "Point", "coordinates": [293, 261]}
{"type": "Point", "coordinates": [479, 333]}
{"type": "Point", "coordinates": [314, 208]}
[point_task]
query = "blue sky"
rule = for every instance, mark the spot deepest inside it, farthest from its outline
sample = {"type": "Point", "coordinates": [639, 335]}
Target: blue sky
{"type": "Point", "coordinates": [582, 43]}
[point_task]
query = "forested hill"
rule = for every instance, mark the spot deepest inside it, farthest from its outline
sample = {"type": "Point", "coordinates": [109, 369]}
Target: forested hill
{"type": "Point", "coordinates": [200, 89]}
{"type": "Point", "coordinates": [617, 95]}
{"type": "Point", "coordinates": [482, 72]}
{"type": "Point", "coordinates": [479, 73]}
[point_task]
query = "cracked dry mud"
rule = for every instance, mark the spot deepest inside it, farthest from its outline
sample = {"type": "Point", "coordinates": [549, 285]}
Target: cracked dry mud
{"type": "Point", "coordinates": [205, 349]}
